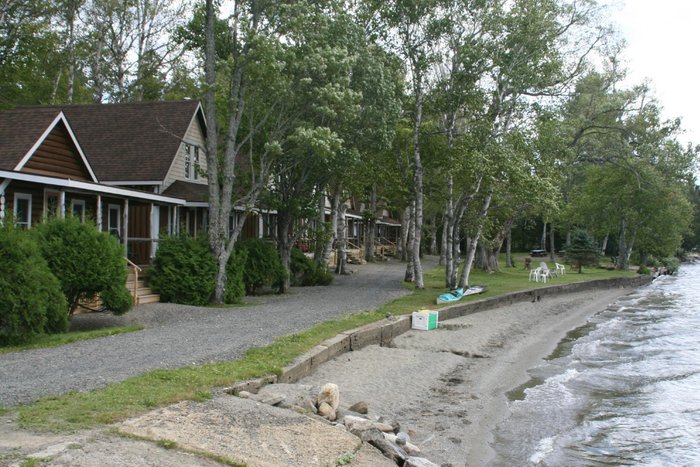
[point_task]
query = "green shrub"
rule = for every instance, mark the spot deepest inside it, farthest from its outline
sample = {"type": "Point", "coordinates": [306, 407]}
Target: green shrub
{"type": "Point", "coordinates": [32, 302]}
{"type": "Point", "coordinates": [235, 271]}
{"type": "Point", "coordinates": [117, 299]}
{"type": "Point", "coordinates": [671, 264]}
{"type": "Point", "coordinates": [84, 260]}
{"type": "Point", "coordinates": [262, 266]}
{"type": "Point", "coordinates": [184, 270]}
{"type": "Point", "coordinates": [306, 271]}
{"type": "Point", "coordinates": [643, 270]}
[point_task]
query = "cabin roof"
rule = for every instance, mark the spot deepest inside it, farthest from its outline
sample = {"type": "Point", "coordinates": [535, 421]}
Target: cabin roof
{"type": "Point", "coordinates": [128, 142]}
{"type": "Point", "coordinates": [192, 192]}
{"type": "Point", "coordinates": [20, 131]}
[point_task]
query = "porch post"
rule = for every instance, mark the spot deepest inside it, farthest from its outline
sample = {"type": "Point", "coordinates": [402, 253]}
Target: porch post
{"type": "Point", "coordinates": [3, 206]}
{"type": "Point", "coordinates": [62, 204]}
{"type": "Point", "coordinates": [125, 226]}
{"type": "Point", "coordinates": [154, 231]}
{"type": "Point", "coordinates": [98, 213]}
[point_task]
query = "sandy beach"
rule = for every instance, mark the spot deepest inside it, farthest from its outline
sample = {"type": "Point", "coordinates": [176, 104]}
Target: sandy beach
{"type": "Point", "coordinates": [446, 387]}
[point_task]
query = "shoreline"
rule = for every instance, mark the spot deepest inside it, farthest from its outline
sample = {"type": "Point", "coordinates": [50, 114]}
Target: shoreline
{"type": "Point", "coordinates": [448, 387]}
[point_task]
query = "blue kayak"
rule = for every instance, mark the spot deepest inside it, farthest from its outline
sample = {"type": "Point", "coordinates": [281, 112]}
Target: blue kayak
{"type": "Point", "coordinates": [457, 294]}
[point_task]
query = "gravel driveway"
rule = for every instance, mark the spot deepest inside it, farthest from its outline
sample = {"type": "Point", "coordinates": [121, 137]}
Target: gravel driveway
{"type": "Point", "coordinates": [180, 335]}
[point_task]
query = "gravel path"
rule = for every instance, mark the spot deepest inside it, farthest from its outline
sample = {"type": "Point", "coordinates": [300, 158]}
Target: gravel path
{"type": "Point", "coordinates": [179, 335]}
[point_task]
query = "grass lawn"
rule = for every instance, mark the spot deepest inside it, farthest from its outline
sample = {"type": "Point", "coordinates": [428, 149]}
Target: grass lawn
{"type": "Point", "coordinates": [158, 388]}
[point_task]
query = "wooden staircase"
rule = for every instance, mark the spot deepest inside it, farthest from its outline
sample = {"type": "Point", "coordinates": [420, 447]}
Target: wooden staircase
{"type": "Point", "coordinates": [137, 286]}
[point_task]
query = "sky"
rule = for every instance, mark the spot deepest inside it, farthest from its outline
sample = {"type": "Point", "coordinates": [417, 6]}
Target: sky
{"type": "Point", "coordinates": [662, 38]}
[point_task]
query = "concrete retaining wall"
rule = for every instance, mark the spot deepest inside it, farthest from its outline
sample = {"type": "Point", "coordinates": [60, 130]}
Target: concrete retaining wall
{"type": "Point", "coordinates": [382, 332]}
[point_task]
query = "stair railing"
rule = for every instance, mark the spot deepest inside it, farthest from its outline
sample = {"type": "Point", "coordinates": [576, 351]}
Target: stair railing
{"type": "Point", "coordinates": [136, 280]}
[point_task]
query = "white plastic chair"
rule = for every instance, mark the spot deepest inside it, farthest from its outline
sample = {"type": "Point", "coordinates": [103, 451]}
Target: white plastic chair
{"type": "Point", "coordinates": [545, 271]}
{"type": "Point", "coordinates": [561, 270]}
{"type": "Point", "coordinates": [536, 275]}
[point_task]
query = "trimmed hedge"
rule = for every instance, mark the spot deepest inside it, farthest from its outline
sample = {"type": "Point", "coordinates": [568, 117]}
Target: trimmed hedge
{"type": "Point", "coordinates": [86, 262]}
{"type": "Point", "coordinates": [262, 265]}
{"type": "Point", "coordinates": [32, 302]}
{"type": "Point", "coordinates": [184, 271]}
{"type": "Point", "coordinates": [307, 272]}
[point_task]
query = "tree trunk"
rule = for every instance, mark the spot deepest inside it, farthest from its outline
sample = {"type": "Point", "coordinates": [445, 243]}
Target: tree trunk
{"type": "Point", "coordinates": [284, 247]}
{"type": "Point", "coordinates": [342, 253]}
{"type": "Point", "coordinates": [448, 235]}
{"type": "Point", "coordinates": [509, 246]}
{"type": "Point", "coordinates": [405, 234]}
{"type": "Point", "coordinates": [543, 240]}
{"type": "Point", "coordinates": [418, 189]}
{"type": "Point", "coordinates": [443, 241]}
{"type": "Point", "coordinates": [371, 236]}
{"type": "Point", "coordinates": [621, 247]}
{"type": "Point", "coordinates": [551, 242]}
{"type": "Point", "coordinates": [471, 251]}
{"type": "Point", "coordinates": [410, 270]}
{"type": "Point", "coordinates": [605, 245]}
{"type": "Point", "coordinates": [335, 203]}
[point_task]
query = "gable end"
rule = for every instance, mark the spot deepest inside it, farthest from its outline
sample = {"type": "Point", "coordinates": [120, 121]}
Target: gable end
{"type": "Point", "coordinates": [58, 156]}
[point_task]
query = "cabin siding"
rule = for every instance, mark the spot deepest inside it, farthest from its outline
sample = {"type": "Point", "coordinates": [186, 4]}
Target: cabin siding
{"type": "Point", "coordinates": [193, 136]}
{"type": "Point", "coordinates": [57, 157]}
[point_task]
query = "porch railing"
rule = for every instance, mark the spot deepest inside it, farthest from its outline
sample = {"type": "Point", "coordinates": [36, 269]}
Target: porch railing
{"type": "Point", "coordinates": [136, 280]}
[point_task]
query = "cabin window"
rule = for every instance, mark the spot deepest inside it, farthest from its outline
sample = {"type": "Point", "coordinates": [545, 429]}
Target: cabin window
{"type": "Point", "coordinates": [195, 173]}
{"type": "Point", "coordinates": [188, 160]}
{"type": "Point", "coordinates": [23, 210]}
{"type": "Point", "coordinates": [78, 209]}
{"type": "Point", "coordinates": [51, 204]}
{"type": "Point", "coordinates": [114, 220]}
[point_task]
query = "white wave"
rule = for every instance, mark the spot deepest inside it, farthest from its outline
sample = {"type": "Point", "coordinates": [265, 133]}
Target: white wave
{"type": "Point", "coordinates": [544, 447]}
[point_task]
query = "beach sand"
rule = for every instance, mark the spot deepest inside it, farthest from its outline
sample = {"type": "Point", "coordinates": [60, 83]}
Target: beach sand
{"type": "Point", "coordinates": [448, 387]}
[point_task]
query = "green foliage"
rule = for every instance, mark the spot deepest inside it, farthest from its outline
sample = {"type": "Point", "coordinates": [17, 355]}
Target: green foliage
{"type": "Point", "coordinates": [235, 272]}
{"type": "Point", "coordinates": [643, 270]}
{"type": "Point", "coordinates": [184, 270]}
{"type": "Point", "coordinates": [582, 250]}
{"type": "Point", "coordinates": [262, 265]}
{"type": "Point", "coordinates": [671, 263]}
{"type": "Point", "coordinates": [32, 302]}
{"type": "Point", "coordinates": [307, 272]}
{"type": "Point", "coordinates": [117, 299]}
{"type": "Point", "coordinates": [85, 261]}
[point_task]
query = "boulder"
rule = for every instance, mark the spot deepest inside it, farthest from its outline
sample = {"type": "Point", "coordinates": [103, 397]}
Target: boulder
{"type": "Point", "coordinates": [330, 395]}
{"type": "Point", "coordinates": [357, 425]}
{"type": "Point", "coordinates": [413, 461]}
{"type": "Point", "coordinates": [359, 407]}
{"type": "Point", "coordinates": [411, 449]}
{"type": "Point", "coordinates": [385, 427]}
{"type": "Point", "coordinates": [326, 411]}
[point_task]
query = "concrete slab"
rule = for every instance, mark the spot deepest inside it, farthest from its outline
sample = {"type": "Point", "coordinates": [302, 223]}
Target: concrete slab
{"type": "Point", "coordinates": [246, 431]}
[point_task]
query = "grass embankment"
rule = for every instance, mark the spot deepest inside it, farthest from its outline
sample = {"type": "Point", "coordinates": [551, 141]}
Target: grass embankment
{"type": "Point", "coordinates": [158, 388]}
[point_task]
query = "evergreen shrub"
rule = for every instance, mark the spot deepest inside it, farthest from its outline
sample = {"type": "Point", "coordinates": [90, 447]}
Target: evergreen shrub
{"type": "Point", "coordinates": [32, 302]}
{"type": "Point", "coordinates": [307, 272]}
{"type": "Point", "coordinates": [235, 272]}
{"type": "Point", "coordinates": [263, 266]}
{"type": "Point", "coordinates": [184, 270]}
{"type": "Point", "coordinates": [85, 261]}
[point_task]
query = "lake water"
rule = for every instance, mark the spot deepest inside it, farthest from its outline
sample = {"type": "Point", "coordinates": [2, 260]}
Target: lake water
{"type": "Point", "coordinates": [622, 390]}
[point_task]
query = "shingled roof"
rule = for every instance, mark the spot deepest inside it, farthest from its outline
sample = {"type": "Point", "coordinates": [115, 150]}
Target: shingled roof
{"type": "Point", "coordinates": [131, 142]}
{"type": "Point", "coordinates": [193, 192]}
{"type": "Point", "coordinates": [19, 131]}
